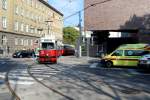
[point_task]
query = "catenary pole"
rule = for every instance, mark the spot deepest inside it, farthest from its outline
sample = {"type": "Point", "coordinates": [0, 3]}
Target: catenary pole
{"type": "Point", "coordinates": [79, 49]}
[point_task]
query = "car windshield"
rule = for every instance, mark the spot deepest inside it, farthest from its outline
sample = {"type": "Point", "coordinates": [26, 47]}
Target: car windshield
{"type": "Point", "coordinates": [48, 45]}
{"type": "Point", "coordinates": [68, 47]}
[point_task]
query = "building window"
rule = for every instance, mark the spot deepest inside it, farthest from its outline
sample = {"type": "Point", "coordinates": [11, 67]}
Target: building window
{"type": "Point", "coordinates": [16, 41]}
{"type": "Point", "coordinates": [22, 27]}
{"type": "Point", "coordinates": [31, 43]}
{"type": "Point", "coordinates": [4, 4]}
{"type": "Point", "coordinates": [4, 22]}
{"type": "Point", "coordinates": [4, 40]}
{"type": "Point", "coordinates": [16, 9]}
{"type": "Point", "coordinates": [31, 29]}
{"type": "Point", "coordinates": [32, 3]}
{"type": "Point", "coordinates": [39, 19]}
{"type": "Point", "coordinates": [28, 1]}
{"type": "Point", "coordinates": [36, 5]}
{"type": "Point", "coordinates": [27, 14]}
{"type": "Point", "coordinates": [22, 41]}
{"type": "Point", "coordinates": [31, 15]}
{"type": "Point", "coordinates": [53, 15]}
{"type": "Point", "coordinates": [36, 18]}
{"type": "Point", "coordinates": [26, 42]}
{"type": "Point", "coordinates": [35, 31]}
{"type": "Point", "coordinates": [22, 12]}
{"type": "Point", "coordinates": [27, 28]}
{"type": "Point", "coordinates": [16, 26]}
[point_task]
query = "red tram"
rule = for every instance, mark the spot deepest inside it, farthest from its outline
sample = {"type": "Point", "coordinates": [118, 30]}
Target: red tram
{"type": "Point", "coordinates": [49, 50]}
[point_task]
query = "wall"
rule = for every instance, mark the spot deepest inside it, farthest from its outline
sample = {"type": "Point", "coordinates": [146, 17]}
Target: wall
{"type": "Point", "coordinates": [117, 15]}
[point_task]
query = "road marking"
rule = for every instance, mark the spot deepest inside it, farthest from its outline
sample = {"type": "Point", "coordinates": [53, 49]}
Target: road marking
{"type": "Point", "coordinates": [22, 82]}
{"type": "Point", "coordinates": [94, 65]}
{"type": "Point", "coordinates": [2, 75]}
{"type": "Point", "coordinates": [22, 78]}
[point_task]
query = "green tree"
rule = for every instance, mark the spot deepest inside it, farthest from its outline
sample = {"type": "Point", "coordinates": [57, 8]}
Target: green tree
{"type": "Point", "coordinates": [70, 35]}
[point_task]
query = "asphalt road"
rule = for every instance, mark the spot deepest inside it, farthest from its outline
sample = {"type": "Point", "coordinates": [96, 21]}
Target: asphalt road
{"type": "Point", "coordinates": [71, 79]}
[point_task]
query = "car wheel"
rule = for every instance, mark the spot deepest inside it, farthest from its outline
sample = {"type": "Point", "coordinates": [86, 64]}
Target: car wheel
{"type": "Point", "coordinates": [20, 56]}
{"type": "Point", "coordinates": [109, 64]}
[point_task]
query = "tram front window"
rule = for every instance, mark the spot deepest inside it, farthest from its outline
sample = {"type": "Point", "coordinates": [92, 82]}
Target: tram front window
{"type": "Point", "coordinates": [48, 45]}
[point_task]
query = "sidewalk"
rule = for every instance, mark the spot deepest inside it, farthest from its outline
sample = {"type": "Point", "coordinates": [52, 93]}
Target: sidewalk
{"type": "Point", "coordinates": [5, 55]}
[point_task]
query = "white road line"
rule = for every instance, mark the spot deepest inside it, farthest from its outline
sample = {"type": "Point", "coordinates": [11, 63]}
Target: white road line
{"type": "Point", "coordinates": [22, 82]}
{"type": "Point", "coordinates": [22, 78]}
{"type": "Point", "coordinates": [42, 76]}
{"type": "Point", "coordinates": [2, 75]}
{"type": "Point", "coordinates": [94, 65]}
{"type": "Point", "coordinates": [42, 72]}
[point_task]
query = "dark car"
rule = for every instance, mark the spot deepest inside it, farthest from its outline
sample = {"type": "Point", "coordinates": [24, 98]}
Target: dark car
{"type": "Point", "coordinates": [23, 54]}
{"type": "Point", "coordinates": [68, 50]}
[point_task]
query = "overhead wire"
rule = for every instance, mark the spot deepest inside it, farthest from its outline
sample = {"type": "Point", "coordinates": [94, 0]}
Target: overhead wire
{"type": "Point", "coordinates": [65, 6]}
{"type": "Point", "coordinates": [91, 5]}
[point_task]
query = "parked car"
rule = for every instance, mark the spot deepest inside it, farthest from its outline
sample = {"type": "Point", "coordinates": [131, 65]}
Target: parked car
{"type": "Point", "coordinates": [23, 54]}
{"type": "Point", "coordinates": [144, 62]}
{"type": "Point", "coordinates": [68, 50]}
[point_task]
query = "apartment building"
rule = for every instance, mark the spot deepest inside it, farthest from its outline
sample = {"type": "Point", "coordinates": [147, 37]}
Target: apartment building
{"type": "Point", "coordinates": [23, 22]}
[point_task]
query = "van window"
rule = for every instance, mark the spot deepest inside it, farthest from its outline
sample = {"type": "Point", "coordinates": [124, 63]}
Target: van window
{"type": "Point", "coordinates": [118, 53]}
{"type": "Point", "coordinates": [135, 52]}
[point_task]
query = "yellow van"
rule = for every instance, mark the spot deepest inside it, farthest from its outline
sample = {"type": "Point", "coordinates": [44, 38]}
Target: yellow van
{"type": "Point", "coordinates": [126, 55]}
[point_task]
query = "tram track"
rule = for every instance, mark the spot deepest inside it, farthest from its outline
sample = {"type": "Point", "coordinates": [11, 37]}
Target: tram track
{"type": "Point", "coordinates": [8, 84]}
{"type": "Point", "coordinates": [45, 85]}
{"type": "Point", "coordinates": [14, 94]}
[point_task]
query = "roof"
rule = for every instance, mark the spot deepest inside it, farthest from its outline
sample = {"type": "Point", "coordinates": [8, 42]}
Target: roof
{"type": "Point", "coordinates": [133, 46]}
{"type": "Point", "coordinates": [48, 5]}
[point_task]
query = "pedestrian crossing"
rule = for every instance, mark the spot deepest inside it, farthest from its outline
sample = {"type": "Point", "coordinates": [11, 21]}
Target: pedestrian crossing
{"type": "Point", "coordinates": [21, 76]}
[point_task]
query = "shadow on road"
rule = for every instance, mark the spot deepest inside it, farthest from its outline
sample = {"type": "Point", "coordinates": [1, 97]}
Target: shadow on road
{"type": "Point", "coordinates": [8, 65]}
{"type": "Point", "coordinates": [107, 82]}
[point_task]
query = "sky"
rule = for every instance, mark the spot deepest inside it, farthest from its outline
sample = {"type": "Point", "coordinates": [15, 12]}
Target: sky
{"type": "Point", "coordinates": [68, 7]}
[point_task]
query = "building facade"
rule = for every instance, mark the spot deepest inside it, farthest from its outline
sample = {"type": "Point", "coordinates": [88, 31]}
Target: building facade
{"type": "Point", "coordinates": [128, 17]}
{"type": "Point", "coordinates": [117, 15]}
{"type": "Point", "coordinates": [23, 22]}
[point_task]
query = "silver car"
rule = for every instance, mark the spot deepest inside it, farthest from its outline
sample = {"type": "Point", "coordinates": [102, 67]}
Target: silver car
{"type": "Point", "coordinates": [144, 62]}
